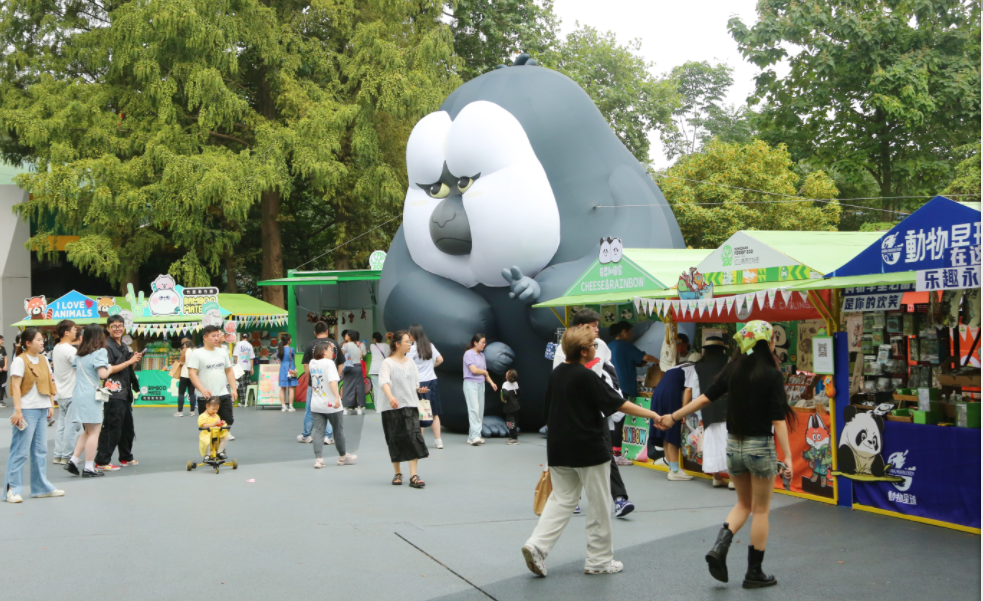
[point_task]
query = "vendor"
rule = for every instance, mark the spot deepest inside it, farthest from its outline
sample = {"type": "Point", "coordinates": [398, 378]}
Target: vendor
{"type": "Point", "coordinates": [626, 357]}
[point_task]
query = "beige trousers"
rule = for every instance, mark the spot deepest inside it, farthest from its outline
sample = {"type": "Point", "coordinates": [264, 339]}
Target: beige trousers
{"type": "Point", "coordinates": [567, 484]}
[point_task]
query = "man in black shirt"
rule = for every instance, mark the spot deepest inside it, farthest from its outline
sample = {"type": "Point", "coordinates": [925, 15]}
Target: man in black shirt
{"type": "Point", "coordinates": [579, 455]}
{"type": "Point", "coordinates": [320, 334]}
{"type": "Point", "coordinates": [117, 421]}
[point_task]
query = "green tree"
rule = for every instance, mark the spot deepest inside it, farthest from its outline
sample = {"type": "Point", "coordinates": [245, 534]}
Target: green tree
{"type": "Point", "coordinates": [881, 87]}
{"type": "Point", "coordinates": [169, 126]}
{"type": "Point", "coordinates": [965, 187]}
{"type": "Point", "coordinates": [620, 83]}
{"type": "Point", "coordinates": [731, 187]}
{"type": "Point", "coordinates": [488, 32]}
{"type": "Point", "coordinates": [702, 88]}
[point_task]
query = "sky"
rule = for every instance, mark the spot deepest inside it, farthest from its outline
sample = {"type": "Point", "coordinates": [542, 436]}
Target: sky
{"type": "Point", "coordinates": [672, 33]}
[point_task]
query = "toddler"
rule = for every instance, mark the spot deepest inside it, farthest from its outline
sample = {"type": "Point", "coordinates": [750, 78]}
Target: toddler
{"type": "Point", "coordinates": [510, 396]}
{"type": "Point", "coordinates": [210, 419]}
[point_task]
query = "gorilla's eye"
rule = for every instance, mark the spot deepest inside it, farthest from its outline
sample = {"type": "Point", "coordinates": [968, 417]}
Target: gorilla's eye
{"type": "Point", "coordinates": [464, 183]}
{"type": "Point", "coordinates": [438, 190]}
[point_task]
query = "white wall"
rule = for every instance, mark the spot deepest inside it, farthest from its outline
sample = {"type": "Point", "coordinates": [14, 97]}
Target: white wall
{"type": "Point", "coordinates": [15, 262]}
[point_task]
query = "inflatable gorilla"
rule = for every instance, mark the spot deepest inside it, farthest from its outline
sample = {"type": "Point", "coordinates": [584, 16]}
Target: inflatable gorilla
{"type": "Point", "coordinates": [501, 213]}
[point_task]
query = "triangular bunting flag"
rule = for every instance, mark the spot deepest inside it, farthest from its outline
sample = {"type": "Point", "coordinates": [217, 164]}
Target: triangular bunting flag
{"type": "Point", "coordinates": [719, 302]}
{"type": "Point", "coordinates": [771, 297]}
{"type": "Point", "coordinates": [786, 294]}
{"type": "Point", "coordinates": [701, 305]}
{"type": "Point", "coordinates": [675, 308]}
{"type": "Point", "coordinates": [729, 302]}
{"type": "Point", "coordinates": [760, 295]}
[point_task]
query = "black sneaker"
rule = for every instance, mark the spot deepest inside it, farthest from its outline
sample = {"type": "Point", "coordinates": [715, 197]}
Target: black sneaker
{"type": "Point", "coordinates": [71, 468]}
{"type": "Point", "coordinates": [92, 474]}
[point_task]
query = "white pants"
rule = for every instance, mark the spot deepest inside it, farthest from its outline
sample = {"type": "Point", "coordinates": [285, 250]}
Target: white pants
{"type": "Point", "coordinates": [567, 484]}
{"type": "Point", "coordinates": [715, 448]}
{"type": "Point", "coordinates": [474, 396]}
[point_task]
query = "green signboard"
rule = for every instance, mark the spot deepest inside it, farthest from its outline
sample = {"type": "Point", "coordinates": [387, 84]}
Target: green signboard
{"type": "Point", "coordinates": [156, 388]}
{"type": "Point", "coordinates": [622, 276]}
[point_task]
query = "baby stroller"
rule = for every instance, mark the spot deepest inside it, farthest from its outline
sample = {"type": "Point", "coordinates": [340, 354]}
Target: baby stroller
{"type": "Point", "coordinates": [213, 459]}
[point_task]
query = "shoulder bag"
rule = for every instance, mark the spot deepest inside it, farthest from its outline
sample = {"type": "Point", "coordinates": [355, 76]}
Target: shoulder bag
{"type": "Point", "coordinates": [102, 393]}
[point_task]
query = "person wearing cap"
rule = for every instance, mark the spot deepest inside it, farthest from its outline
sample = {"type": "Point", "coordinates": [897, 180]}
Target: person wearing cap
{"type": "Point", "coordinates": [757, 413]}
{"type": "Point", "coordinates": [714, 416]}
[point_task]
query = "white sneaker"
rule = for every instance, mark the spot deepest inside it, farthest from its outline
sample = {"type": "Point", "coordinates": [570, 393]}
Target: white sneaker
{"type": "Point", "coordinates": [534, 560]}
{"type": "Point", "coordinates": [179, 414]}
{"type": "Point", "coordinates": [719, 483]}
{"type": "Point", "coordinates": [359, 411]}
{"type": "Point", "coordinates": [318, 463]}
{"type": "Point", "coordinates": [479, 441]}
{"type": "Point", "coordinates": [283, 408]}
{"type": "Point", "coordinates": [290, 409]}
{"type": "Point", "coordinates": [438, 444]}
{"type": "Point", "coordinates": [473, 443]}
{"type": "Point", "coordinates": [231, 437]}
{"type": "Point", "coordinates": [328, 440]}
{"type": "Point", "coordinates": [679, 476]}
{"type": "Point", "coordinates": [730, 485]}
{"type": "Point", "coordinates": [348, 459]}
{"type": "Point", "coordinates": [302, 438]}
{"type": "Point", "coordinates": [612, 568]}
{"type": "Point", "coordinates": [12, 498]}
{"type": "Point", "coordinates": [55, 493]}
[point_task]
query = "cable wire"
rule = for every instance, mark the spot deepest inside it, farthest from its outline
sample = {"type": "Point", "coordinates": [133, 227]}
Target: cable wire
{"type": "Point", "coordinates": [348, 242]}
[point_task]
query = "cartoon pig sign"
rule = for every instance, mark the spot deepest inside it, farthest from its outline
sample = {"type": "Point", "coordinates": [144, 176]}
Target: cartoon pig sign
{"type": "Point", "coordinates": [165, 300]}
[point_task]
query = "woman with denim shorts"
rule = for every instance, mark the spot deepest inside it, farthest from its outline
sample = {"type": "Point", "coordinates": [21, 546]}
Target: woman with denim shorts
{"type": "Point", "coordinates": [756, 413]}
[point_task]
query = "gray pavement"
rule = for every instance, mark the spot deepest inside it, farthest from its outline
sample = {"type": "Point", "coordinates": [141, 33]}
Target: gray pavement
{"type": "Point", "coordinates": [155, 531]}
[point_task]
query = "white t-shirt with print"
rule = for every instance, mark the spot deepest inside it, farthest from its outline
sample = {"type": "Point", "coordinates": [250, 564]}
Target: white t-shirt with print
{"type": "Point", "coordinates": [63, 371]}
{"type": "Point", "coordinates": [425, 367]}
{"type": "Point", "coordinates": [211, 366]}
{"type": "Point", "coordinates": [33, 399]}
{"type": "Point", "coordinates": [323, 372]}
{"type": "Point", "coordinates": [245, 355]}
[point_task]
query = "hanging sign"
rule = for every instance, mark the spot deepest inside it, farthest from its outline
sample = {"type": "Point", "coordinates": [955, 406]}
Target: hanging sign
{"type": "Point", "coordinates": [376, 260]}
{"type": "Point", "coordinates": [613, 272]}
{"type": "Point", "coordinates": [742, 259]}
{"type": "Point", "coordinates": [875, 298]}
{"type": "Point", "coordinates": [961, 271]}
{"type": "Point", "coordinates": [822, 355]}
{"type": "Point", "coordinates": [692, 285]}
{"type": "Point", "coordinates": [169, 299]}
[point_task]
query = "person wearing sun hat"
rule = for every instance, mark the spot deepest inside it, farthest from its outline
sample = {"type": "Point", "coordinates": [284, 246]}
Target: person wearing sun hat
{"type": "Point", "coordinates": [757, 413]}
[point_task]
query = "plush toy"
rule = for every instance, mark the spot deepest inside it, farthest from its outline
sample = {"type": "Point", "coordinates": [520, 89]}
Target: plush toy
{"type": "Point", "coordinates": [511, 185]}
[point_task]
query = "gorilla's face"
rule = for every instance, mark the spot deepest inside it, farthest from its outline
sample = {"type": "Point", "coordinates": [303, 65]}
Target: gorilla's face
{"type": "Point", "coordinates": [479, 200]}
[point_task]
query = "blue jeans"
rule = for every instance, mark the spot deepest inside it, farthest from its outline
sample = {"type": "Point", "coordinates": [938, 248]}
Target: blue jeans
{"type": "Point", "coordinates": [66, 433]}
{"type": "Point", "coordinates": [309, 419]}
{"type": "Point", "coordinates": [474, 396]}
{"type": "Point", "coordinates": [33, 439]}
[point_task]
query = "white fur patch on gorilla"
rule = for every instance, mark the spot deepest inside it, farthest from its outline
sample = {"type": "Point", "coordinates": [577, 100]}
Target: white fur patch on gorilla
{"type": "Point", "coordinates": [510, 207]}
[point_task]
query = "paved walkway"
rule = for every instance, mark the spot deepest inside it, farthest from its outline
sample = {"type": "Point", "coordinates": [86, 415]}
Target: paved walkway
{"type": "Point", "coordinates": [276, 528]}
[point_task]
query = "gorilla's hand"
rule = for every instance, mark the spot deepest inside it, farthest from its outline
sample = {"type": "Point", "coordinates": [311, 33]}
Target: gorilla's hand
{"type": "Point", "coordinates": [499, 357]}
{"type": "Point", "coordinates": [493, 426]}
{"type": "Point", "coordinates": [523, 287]}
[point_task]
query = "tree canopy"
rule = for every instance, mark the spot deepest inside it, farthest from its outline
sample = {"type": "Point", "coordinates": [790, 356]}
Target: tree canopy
{"type": "Point", "coordinates": [880, 88]}
{"type": "Point", "coordinates": [167, 125]}
{"type": "Point", "coordinates": [731, 187]}
{"type": "Point", "coordinates": [620, 83]}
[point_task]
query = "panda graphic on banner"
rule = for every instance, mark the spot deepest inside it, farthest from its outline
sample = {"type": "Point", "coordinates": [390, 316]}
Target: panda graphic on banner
{"type": "Point", "coordinates": [861, 443]}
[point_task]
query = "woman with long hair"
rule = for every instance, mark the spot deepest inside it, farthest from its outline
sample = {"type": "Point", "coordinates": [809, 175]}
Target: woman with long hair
{"type": "Point", "coordinates": [379, 350]}
{"type": "Point", "coordinates": [33, 392]}
{"type": "Point", "coordinates": [288, 372]}
{"type": "Point", "coordinates": [91, 366]}
{"type": "Point", "coordinates": [184, 386]}
{"type": "Point", "coordinates": [757, 412]}
{"type": "Point", "coordinates": [426, 357]}
{"type": "Point", "coordinates": [400, 381]}
{"type": "Point", "coordinates": [475, 376]}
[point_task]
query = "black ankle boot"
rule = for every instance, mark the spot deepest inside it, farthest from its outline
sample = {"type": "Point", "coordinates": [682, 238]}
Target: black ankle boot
{"type": "Point", "coordinates": [755, 578]}
{"type": "Point", "coordinates": [717, 557]}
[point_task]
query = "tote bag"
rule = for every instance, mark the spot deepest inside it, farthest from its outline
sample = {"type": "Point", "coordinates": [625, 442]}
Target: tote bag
{"type": "Point", "coordinates": [175, 371]}
{"type": "Point", "coordinates": [426, 414]}
{"type": "Point", "coordinates": [543, 490]}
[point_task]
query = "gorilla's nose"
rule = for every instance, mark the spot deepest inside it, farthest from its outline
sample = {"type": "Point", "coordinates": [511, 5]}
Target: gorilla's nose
{"type": "Point", "coordinates": [449, 227]}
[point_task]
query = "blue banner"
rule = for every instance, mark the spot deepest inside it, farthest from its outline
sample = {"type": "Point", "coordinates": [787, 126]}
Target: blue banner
{"type": "Point", "coordinates": [941, 232]}
{"type": "Point", "coordinates": [941, 471]}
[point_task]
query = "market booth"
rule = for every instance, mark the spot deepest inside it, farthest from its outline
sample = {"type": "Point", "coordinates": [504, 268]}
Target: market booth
{"type": "Point", "coordinates": [344, 299]}
{"type": "Point", "coordinates": [910, 360]}
{"type": "Point", "coordinates": [157, 322]}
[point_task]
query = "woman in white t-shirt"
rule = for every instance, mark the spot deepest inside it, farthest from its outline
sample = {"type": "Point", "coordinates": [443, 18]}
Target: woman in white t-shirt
{"type": "Point", "coordinates": [33, 391]}
{"type": "Point", "coordinates": [378, 350]}
{"type": "Point", "coordinates": [400, 381]}
{"type": "Point", "coordinates": [326, 404]}
{"type": "Point", "coordinates": [427, 357]}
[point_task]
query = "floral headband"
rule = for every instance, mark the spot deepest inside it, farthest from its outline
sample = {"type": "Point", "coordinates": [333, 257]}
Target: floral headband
{"type": "Point", "coordinates": [752, 332]}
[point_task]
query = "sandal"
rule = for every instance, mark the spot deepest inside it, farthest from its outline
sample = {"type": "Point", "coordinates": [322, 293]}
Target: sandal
{"type": "Point", "coordinates": [398, 479]}
{"type": "Point", "coordinates": [415, 482]}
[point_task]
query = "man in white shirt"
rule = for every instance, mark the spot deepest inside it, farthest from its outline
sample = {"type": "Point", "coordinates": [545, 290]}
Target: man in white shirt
{"type": "Point", "coordinates": [64, 372]}
{"type": "Point", "coordinates": [210, 370]}
{"type": "Point", "coordinates": [244, 356]}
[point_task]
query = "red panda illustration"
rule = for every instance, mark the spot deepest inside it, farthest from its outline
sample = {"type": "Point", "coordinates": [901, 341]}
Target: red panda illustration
{"type": "Point", "coordinates": [37, 308]}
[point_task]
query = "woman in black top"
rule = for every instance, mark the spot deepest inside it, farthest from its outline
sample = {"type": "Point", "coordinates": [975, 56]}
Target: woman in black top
{"type": "Point", "coordinates": [579, 455]}
{"type": "Point", "coordinates": [757, 405]}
